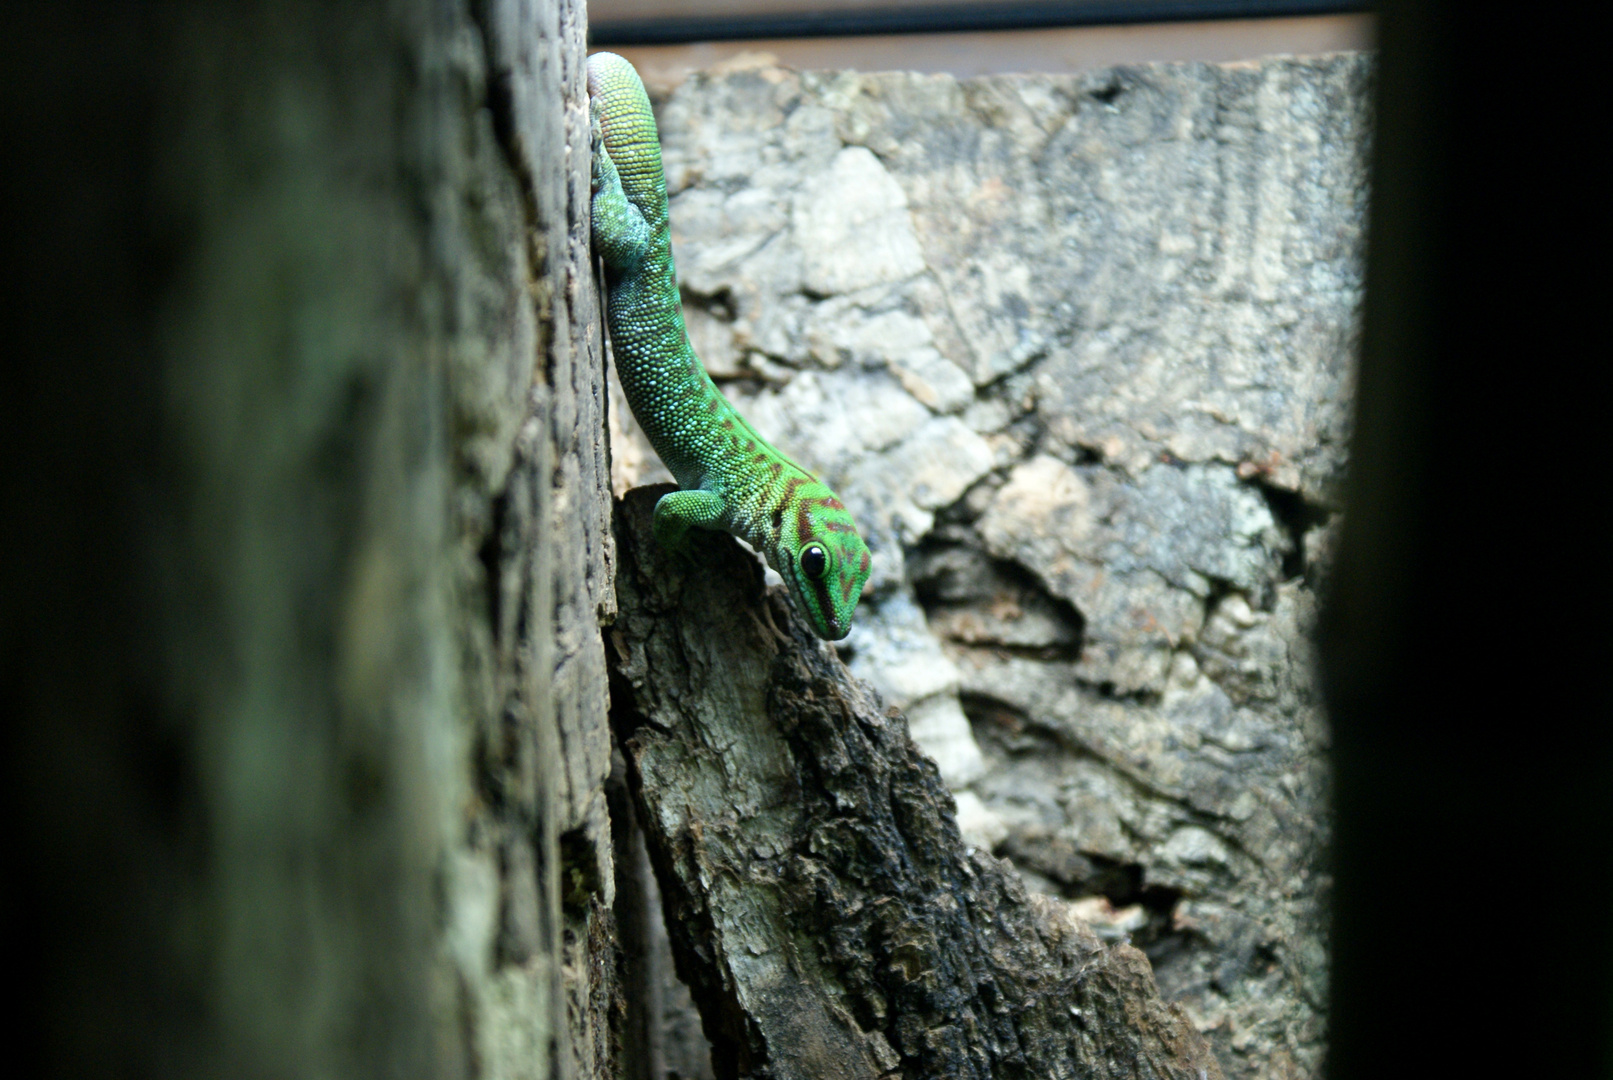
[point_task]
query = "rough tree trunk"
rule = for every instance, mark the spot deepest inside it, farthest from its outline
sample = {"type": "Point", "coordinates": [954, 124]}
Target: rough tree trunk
{"type": "Point", "coordinates": [311, 545]}
{"type": "Point", "coordinates": [821, 902]}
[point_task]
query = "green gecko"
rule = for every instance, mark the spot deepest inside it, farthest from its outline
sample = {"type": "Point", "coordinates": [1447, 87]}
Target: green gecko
{"type": "Point", "coordinates": [732, 479]}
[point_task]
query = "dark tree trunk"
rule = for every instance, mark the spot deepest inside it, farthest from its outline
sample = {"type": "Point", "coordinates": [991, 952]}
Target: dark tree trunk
{"type": "Point", "coordinates": [307, 543]}
{"type": "Point", "coordinates": [820, 900]}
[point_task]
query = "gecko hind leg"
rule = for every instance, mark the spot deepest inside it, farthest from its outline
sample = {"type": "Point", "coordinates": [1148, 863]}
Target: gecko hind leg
{"type": "Point", "coordinates": [621, 235]}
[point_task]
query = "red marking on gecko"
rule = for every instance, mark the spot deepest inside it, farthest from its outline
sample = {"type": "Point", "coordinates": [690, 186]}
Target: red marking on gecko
{"type": "Point", "coordinates": [784, 500]}
{"type": "Point", "coordinates": [803, 518]}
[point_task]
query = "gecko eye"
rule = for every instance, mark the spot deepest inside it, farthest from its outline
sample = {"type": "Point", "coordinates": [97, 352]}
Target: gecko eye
{"type": "Point", "coordinates": [814, 561]}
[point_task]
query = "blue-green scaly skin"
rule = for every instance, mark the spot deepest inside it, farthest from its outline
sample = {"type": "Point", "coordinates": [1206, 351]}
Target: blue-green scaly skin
{"type": "Point", "coordinates": [732, 479]}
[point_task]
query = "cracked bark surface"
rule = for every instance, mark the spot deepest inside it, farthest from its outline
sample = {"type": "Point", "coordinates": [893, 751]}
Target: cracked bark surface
{"type": "Point", "coordinates": [822, 904]}
{"type": "Point", "coordinates": [1076, 351]}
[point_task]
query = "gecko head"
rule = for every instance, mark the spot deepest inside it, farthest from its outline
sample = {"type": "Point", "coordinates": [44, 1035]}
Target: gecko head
{"type": "Point", "coordinates": [825, 561]}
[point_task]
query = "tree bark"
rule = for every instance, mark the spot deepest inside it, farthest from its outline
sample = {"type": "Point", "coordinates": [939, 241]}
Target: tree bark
{"type": "Point", "coordinates": [303, 574]}
{"type": "Point", "coordinates": [1092, 603]}
{"type": "Point", "coordinates": [822, 905]}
